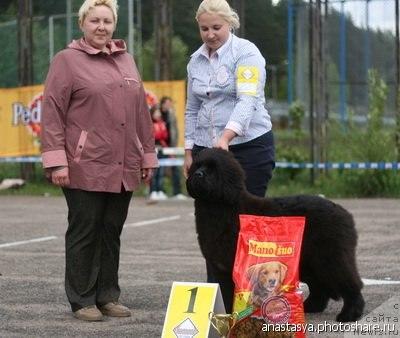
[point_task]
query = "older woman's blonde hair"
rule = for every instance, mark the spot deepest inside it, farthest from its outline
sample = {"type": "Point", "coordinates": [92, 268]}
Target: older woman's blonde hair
{"type": "Point", "coordinates": [89, 4]}
{"type": "Point", "coordinates": [221, 8]}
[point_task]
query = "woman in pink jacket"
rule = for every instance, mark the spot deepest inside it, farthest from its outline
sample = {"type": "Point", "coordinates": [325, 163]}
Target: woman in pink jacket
{"type": "Point", "coordinates": [97, 144]}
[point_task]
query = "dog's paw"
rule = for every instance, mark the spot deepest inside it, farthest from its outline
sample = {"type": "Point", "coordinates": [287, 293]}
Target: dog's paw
{"type": "Point", "coordinates": [349, 316]}
{"type": "Point", "coordinates": [353, 312]}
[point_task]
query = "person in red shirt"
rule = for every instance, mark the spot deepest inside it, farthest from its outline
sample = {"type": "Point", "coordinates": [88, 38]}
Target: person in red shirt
{"type": "Point", "coordinates": [161, 140]}
{"type": "Point", "coordinates": [169, 116]}
{"type": "Point", "coordinates": [159, 126]}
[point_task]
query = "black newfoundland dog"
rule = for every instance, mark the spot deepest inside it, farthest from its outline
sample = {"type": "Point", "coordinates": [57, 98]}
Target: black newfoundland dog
{"type": "Point", "coordinates": [327, 264]}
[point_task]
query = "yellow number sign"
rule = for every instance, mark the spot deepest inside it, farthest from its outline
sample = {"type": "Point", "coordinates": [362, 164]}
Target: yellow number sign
{"type": "Point", "coordinates": [188, 310]}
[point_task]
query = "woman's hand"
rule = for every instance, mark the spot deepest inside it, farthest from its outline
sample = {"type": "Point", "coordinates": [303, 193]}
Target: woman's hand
{"type": "Point", "coordinates": [222, 144]}
{"type": "Point", "coordinates": [227, 136]}
{"type": "Point", "coordinates": [187, 162]}
{"type": "Point", "coordinates": [147, 174]}
{"type": "Point", "coordinates": [60, 176]}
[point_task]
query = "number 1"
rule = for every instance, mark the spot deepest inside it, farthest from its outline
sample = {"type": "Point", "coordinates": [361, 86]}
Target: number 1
{"type": "Point", "coordinates": [192, 300]}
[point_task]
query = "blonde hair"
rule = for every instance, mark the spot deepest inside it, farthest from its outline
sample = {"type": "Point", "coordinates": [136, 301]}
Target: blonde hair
{"type": "Point", "coordinates": [89, 4]}
{"type": "Point", "coordinates": [221, 8]}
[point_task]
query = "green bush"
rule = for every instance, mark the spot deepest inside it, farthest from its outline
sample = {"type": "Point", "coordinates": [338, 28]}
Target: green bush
{"type": "Point", "coordinates": [373, 142]}
{"type": "Point", "coordinates": [290, 145]}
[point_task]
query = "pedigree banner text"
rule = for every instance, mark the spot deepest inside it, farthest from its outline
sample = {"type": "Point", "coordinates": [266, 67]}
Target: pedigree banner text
{"type": "Point", "coordinates": [21, 108]}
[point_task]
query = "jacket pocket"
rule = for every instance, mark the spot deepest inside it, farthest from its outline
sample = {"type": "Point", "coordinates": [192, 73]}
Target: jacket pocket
{"type": "Point", "coordinates": [131, 80]}
{"type": "Point", "coordinates": [140, 146]}
{"type": "Point", "coordinates": [80, 146]}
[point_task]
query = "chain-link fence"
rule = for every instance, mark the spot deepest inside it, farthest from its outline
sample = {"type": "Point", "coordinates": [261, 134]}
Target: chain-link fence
{"type": "Point", "coordinates": [355, 36]}
{"type": "Point", "coordinates": [50, 35]}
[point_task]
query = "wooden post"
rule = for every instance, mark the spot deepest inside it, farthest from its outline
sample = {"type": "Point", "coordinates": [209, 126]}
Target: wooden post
{"type": "Point", "coordinates": [25, 61]}
{"type": "Point", "coordinates": [163, 39]}
{"type": "Point", "coordinates": [397, 82]}
{"type": "Point", "coordinates": [317, 81]}
{"type": "Point", "coordinates": [239, 7]}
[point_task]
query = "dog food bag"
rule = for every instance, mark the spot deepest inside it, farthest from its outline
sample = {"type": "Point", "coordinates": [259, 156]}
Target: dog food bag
{"type": "Point", "coordinates": [266, 277]}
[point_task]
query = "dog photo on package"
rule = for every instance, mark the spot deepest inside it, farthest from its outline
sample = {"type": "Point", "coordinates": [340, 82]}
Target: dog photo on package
{"type": "Point", "coordinates": [266, 276]}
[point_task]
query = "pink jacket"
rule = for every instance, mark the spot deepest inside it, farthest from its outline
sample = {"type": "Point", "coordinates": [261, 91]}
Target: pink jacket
{"type": "Point", "coordinates": [95, 119]}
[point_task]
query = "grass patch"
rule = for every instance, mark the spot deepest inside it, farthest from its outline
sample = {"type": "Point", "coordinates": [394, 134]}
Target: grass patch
{"type": "Point", "coordinates": [334, 184]}
{"type": "Point", "coordinates": [34, 189]}
{"type": "Point", "coordinates": [337, 183]}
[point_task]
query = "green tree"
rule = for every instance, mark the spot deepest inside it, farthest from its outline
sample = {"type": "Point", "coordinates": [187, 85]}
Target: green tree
{"type": "Point", "coordinates": [9, 56]}
{"type": "Point", "coordinates": [179, 57]}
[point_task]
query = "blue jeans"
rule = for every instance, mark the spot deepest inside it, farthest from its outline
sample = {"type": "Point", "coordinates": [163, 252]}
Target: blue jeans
{"type": "Point", "coordinates": [157, 182]}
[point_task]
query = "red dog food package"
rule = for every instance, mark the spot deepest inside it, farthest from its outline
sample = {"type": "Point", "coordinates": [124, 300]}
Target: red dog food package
{"type": "Point", "coordinates": [266, 277]}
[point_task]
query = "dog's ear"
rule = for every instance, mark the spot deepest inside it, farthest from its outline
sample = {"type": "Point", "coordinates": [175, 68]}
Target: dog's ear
{"type": "Point", "coordinates": [283, 272]}
{"type": "Point", "coordinates": [252, 273]}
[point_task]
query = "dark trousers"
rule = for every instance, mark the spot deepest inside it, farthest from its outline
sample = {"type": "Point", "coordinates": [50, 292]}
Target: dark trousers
{"type": "Point", "coordinates": [257, 158]}
{"type": "Point", "coordinates": [92, 246]}
{"type": "Point", "coordinates": [176, 180]}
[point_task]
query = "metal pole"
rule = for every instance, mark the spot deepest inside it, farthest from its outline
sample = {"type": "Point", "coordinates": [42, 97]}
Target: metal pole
{"type": "Point", "coordinates": [69, 21]}
{"type": "Point", "coordinates": [325, 81]}
{"type": "Point", "coordinates": [366, 49]}
{"type": "Point", "coordinates": [290, 52]}
{"type": "Point", "coordinates": [397, 46]}
{"type": "Point", "coordinates": [300, 51]}
{"type": "Point", "coordinates": [139, 45]}
{"type": "Point", "coordinates": [342, 66]}
{"type": "Point", "coordinates": [311, 86]}
{"type": "Point", "coordinates": [397, 82]}
{"type": "Point", "coordinates": [51, 32]}
{"type": "Point", "coordinates": [51, 37]}
{"type": "Point", "coordinates": [130, 26]}
{"type": "Point", "coordinates": [320, 90]}
{"type": "Point", "coordinates": [326, 63]}
{"type": "Point", "coordinates": [274, 82]}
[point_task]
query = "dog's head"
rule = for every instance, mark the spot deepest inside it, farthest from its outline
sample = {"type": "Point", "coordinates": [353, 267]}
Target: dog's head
{"type": "Point", "coordinates": [269, 276]}
{"type": "Point", "coordinates": [215, 176]}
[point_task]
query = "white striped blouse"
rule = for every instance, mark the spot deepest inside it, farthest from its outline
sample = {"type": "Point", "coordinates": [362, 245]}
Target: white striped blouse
{"type": "Point", "coordinates": [226, 91]}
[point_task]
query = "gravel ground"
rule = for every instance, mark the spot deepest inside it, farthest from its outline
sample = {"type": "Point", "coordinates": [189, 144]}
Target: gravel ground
{"type": "Point", "coordinates": [153, 255]}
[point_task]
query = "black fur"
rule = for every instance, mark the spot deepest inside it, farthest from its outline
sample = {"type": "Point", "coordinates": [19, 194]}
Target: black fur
{"type": "Point", "coordinates": [327, 263]}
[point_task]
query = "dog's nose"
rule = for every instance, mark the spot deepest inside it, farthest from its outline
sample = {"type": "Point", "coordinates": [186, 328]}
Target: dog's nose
{"type": "Point", "coordinates": [199, 172]}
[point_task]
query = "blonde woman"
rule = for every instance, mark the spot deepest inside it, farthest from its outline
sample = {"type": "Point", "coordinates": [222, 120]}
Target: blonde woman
{"type": "Point", "coordinates": [97, 145]}
{"type": "Point", "coordinates": [226, 103]}
{"type": "Point", "coordinates": [225, 97]}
